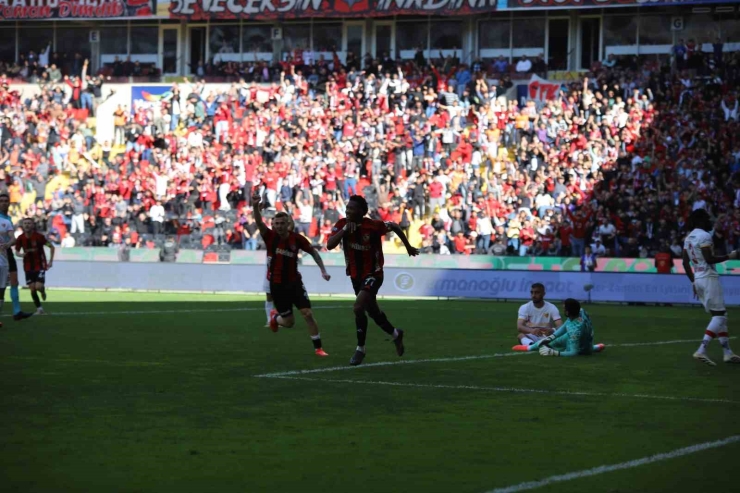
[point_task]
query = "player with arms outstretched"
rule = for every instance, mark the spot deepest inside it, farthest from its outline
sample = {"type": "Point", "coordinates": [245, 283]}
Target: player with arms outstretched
{"type": "Point", "coordinates": [286, 283]}
{"type": "Point", "coordinates": [31, 245]}
{"type": "Point", "coordinates": [269, 306]}
{"type": "Point", "coordinates": [698, 252]}
{"type": "Point", "coordinates": [362, 241]}
{"type": "Point", "coordinates": [538, 318]}
{"type": "Point", "coordinates": [574, 338]}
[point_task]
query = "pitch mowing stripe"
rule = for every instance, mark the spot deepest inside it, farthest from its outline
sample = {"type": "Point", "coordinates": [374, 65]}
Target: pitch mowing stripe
{"type": "Point", "coordinates": [692, 449]}
{"type": "Point", "coordinates": [443, 360]}
{"type": "Point", "coordinates": [512, 390]}
{"type": "Point", "coordinates": [156, 312]}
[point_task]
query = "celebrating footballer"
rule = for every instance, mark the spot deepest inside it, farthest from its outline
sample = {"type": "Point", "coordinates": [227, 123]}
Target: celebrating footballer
{"type": "Point", "coordinates": [362, 241]}
{"type": "Point", "coordinates": [286, 283]}
{"type": "Point", "coordinates": [30, 244]}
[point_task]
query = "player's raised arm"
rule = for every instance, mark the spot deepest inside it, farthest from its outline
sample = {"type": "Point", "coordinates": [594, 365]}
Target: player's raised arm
{"type": "Point", "coordinates": [256, 204]}
{"type": "Point", "coordinates": [338, 231]}
{"type": "Point", "coordinates": [412, 251]}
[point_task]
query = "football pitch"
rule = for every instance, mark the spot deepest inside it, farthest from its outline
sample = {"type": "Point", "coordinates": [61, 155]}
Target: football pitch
{"type": "Point", "coordinates": [140, 392]}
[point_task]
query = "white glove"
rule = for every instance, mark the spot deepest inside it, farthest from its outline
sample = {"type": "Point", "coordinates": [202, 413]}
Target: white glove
{"type": "Point", "coordinates": [548, 338]}
{"type": "Point", "coordinates": [548, 351]}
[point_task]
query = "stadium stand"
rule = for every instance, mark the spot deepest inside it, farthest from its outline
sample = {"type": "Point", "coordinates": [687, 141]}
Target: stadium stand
{"type": "Point", "coordinates": [616, 160]}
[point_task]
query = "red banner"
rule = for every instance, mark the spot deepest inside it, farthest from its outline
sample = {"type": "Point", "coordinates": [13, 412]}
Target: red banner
{"type": "Point", "coordinates": [292, 9]}
{"type": "Point", "coordinates": [542, 4]}
{"type": "Point", "coordinates": [542, 90]}
{"type": "Point", "coordinates": [74, 9]}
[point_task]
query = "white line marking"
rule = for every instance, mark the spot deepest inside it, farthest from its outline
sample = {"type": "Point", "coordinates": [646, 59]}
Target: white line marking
{"type": "Point", "coordinates": [692, 449]}
{"type": "Point", "coordinates": [387, 363]}
{"type": "Point", "coordinates": [511, 389]}
{"type": "Point", "coordinates": [155, 312]}
{"type": "Point", "coordinates": [633, 344]}
{"type": "Point", "coordinates": [443, 360]}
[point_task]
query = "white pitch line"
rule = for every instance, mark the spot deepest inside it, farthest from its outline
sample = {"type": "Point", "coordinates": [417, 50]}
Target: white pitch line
{"type": "Point", "coordinates": [512, 390]}
{"type": "Point", "coordinates": [156, 312]}
{"type": "Point", "coordinates": [692, 449]}
{"type": "Point", "coordinates": [447, 360]}
{"type": "Point", "coordinates": [660, 343]}
{"type": "Point", "coordinates": [387, 363]}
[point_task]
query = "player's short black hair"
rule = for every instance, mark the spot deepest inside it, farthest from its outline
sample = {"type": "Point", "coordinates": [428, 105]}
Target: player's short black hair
{"type": "Point", "coordinates": [538, 285]}
{"type": "Point", "coordinates": [572, 307]}
{"type": "Point", "coordinates": [359, 200]}
{"type": "Point", "coordinates": [282, 215]}
{"type": "Point", "coordinates": [700, 219]}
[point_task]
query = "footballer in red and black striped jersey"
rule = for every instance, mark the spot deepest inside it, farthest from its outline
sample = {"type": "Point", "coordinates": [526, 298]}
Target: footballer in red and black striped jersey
{"type": "Point", "coordinates": [286, 283]}
{"type": "Point", "coordinates": [362, 241]}
{"type": "Point", "coordinates": [30, 244]}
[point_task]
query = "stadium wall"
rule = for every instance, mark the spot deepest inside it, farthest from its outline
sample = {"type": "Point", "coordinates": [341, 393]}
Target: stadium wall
{"type": "Point", "coordinates": [440, 283]}
{"type": "Point", "coordinates": [401, 261]}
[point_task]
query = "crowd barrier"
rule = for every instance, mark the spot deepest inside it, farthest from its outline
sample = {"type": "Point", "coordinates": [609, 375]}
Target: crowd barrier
{"type": "Point", "coordinates": [442, 283]}
{"type": "Point", "coordinates": [476, 262]}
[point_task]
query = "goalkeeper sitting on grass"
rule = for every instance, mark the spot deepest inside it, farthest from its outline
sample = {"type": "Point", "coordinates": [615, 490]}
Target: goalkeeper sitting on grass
{"type": "Point", "coordinates": [574, 338]}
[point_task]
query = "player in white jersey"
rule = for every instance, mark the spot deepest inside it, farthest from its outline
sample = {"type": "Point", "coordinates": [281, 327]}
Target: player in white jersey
{"type": "Point", "coordinates": [538, 318]}
{"type": "Point", "coordinates": [698, 254]}
{"type": "Point", "coordinates": [7, 240]}
{"type": "Point", "coordinates": [8, 265]}
{"type": "Point", "coordinates": [266, 283]}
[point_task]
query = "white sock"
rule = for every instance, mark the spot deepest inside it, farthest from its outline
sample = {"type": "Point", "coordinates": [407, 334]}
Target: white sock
{"type": "Point", "coordinates": [526, 341]}
{"type": "Point", "coordinates": [722, 335]}
{"type": "Point", "coordinates": [708, 337]}
{"type": "Point", "coordinates": [361, 348]}
{"type": "Point", "coordinates": [268, 309]}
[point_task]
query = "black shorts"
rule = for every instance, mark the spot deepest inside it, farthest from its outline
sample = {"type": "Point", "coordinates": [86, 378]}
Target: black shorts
{"type": "Point", "coordinates": [285, 295]}
{"type": "Point", "coordinates": [369, 283]}
{"type": "Point", "coordinates": [33, 276]}
{"type": "Point", "coordinates": [13, 266]}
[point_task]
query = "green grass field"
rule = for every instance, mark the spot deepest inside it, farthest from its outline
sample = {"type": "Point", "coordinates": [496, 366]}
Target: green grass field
{"type": "Point", "coordinates": [101, 396]}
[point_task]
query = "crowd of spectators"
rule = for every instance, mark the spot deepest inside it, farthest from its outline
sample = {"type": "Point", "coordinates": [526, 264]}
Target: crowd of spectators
{"type": "Point", "coordinates": [613, 164]}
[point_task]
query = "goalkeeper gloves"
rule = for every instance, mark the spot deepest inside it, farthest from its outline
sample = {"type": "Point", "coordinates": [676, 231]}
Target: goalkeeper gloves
{"type": "Point", "coordinates": [548, 351]}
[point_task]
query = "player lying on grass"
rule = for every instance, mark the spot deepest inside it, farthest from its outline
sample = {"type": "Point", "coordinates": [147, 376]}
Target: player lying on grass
{"type": "Point", "coordinates": [698, 252]}
{"type": "Point", "coordinates": [286, 283]}
{"type": "Point", "coordinates": [574, 338]}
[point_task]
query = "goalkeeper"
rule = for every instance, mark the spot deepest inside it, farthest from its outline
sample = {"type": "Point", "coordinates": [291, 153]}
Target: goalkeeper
{"type": "Point", "coordinates": [574, 338]}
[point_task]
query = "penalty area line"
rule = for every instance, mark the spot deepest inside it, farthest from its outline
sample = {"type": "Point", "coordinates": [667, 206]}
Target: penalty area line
{"type": "Point", "coordinates": [692, 449]}
{"type": "Point", "coordinates": [450, 359]}
{"type": "Point", "coordinates": [512, 390]}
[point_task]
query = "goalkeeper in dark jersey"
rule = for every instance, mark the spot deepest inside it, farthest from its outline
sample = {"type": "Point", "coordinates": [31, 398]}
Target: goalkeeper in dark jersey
{"type": "Point", "coordinates": [574, 338]}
